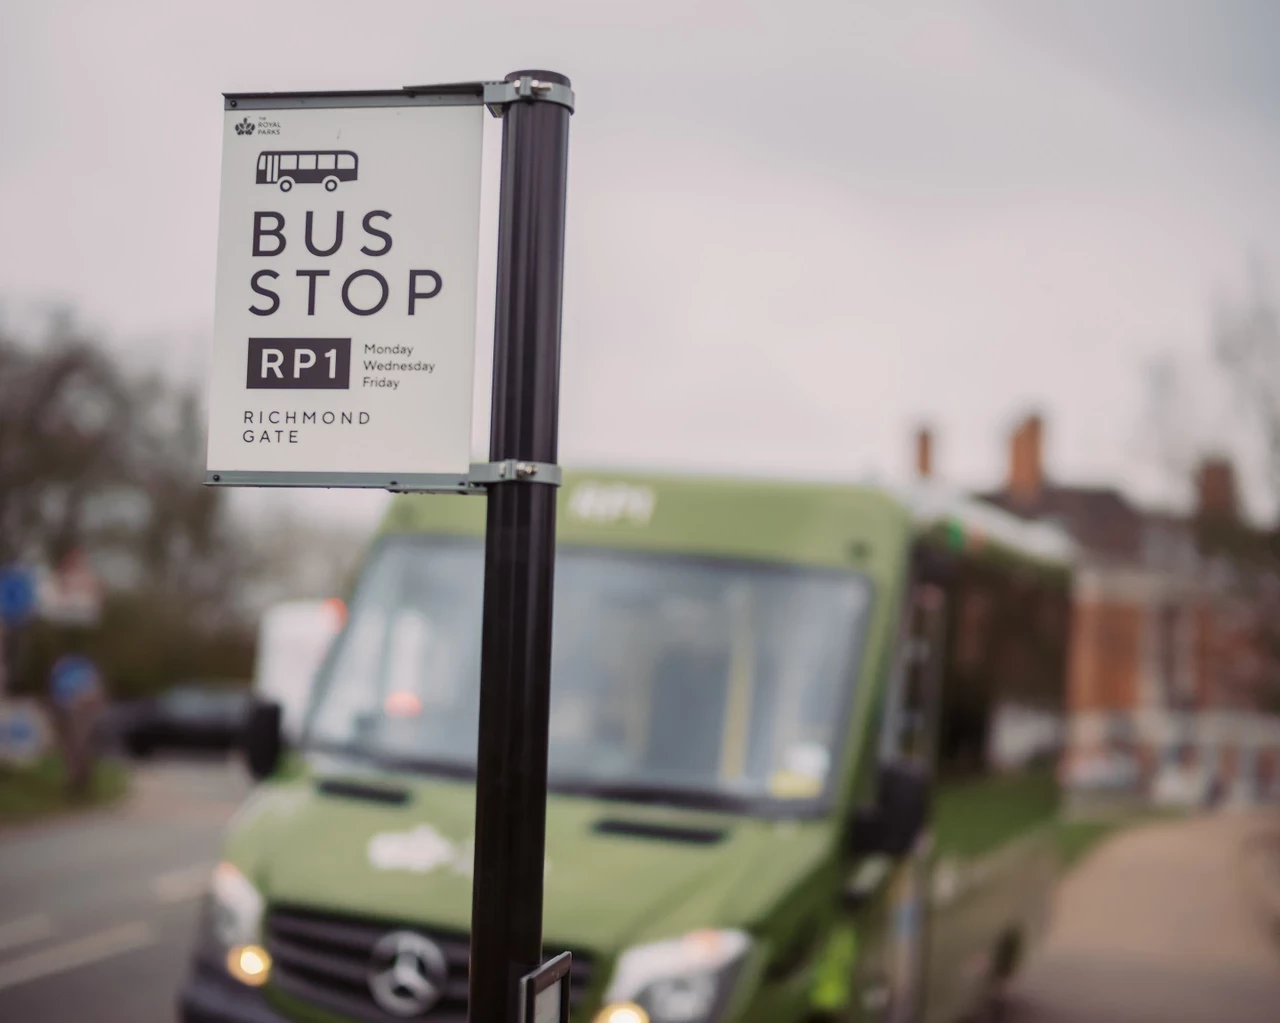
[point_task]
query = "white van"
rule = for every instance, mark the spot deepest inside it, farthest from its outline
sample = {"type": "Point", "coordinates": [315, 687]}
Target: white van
{"type": "Point", "coordinates": [293, 639]}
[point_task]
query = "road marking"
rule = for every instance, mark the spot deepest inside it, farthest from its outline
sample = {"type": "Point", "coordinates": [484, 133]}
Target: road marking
{"type": "Point", "coordinates": [81, 952]}
{"type": "Point", "coordinates": [185, 883]}
{"type": "Point", "coordinates": [25, 930]}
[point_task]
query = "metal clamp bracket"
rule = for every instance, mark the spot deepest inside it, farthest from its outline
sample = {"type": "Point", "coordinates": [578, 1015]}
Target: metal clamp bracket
{"type": "Point", "coordinates": [474, 481]}
{"type": "Point", "coordinates": [514, 470]}
{"type": "Point", "coordinates": [497, 95]}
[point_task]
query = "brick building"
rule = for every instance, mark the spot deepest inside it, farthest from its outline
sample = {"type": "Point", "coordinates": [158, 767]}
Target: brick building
{"type": "Point", "coordinates": [1167, 669]}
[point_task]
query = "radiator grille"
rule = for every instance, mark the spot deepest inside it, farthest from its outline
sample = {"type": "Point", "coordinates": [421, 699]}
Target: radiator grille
{"type": "Point", "coordinates": [326, 960]}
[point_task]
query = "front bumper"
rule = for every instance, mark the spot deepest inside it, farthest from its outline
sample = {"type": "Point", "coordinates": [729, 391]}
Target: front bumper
{"type": "Point", "coordinates": [207, 998]}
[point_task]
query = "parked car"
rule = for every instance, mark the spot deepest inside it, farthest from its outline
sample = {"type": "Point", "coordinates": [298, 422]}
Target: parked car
{"type": "Point", "coordinates": [191, 716]}
{"type": "Point", "coordinates": [293, 638]}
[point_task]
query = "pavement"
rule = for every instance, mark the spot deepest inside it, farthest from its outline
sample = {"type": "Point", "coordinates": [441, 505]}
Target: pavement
{"type": "Point", "coordinates": [97, 911]}
{"type": "Point", "coordinates": [1166, 923]}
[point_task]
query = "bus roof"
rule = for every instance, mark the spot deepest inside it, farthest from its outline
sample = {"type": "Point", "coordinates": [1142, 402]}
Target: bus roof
{"type": "Point", "coordinates": [936, 507]}
{"type": "Point", "coordinates": [870, 527]}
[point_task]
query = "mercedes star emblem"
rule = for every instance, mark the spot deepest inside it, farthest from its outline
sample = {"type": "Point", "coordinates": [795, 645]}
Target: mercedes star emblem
{"type": "Point", "coordinates": [407, 974]}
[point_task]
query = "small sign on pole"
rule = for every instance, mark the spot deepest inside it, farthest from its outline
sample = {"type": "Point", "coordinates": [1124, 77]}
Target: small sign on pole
{"type": "Point", "coordinates": [544, 993]}
{"type": "Point", "coordinates": [344, 317]}
{"type": "Point", "coordinates": [24, 732]}
{"type": "Point", "coordinates": [17, 595]}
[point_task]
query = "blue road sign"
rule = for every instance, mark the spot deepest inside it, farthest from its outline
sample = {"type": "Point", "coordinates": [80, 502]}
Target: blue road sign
{"type": "Point", "coordinates": [17, 594]}
{"type": "Point", "coordinates": [23, 733]}
{"type": "Point", "coordinates": [72, 676]}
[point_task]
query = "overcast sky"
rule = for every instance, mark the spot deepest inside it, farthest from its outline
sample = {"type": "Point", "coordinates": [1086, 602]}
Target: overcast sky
{"type": "Point", "coordinates": [794, 229]}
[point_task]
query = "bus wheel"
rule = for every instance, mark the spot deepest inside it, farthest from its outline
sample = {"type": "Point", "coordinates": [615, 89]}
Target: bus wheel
{"type": "Point", "coordinates": [330, 184]}
{"type": "Point", "coordinates": [286, 184]}
{"type": "Point", "coordinates": [994, 1006]}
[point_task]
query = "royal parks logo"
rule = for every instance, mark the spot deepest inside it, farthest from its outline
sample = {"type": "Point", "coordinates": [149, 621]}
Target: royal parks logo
{"type": "Point", "coordinates": [261, 126]}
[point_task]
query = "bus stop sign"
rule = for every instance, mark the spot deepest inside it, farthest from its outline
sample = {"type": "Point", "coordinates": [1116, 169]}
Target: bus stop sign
{"type": "Point", "coordinates": [344, 316]}
{"type": "Point", "coordinates": [344, 347]}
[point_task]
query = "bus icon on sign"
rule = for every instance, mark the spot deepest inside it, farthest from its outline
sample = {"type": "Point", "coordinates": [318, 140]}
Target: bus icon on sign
{"type": "Point", "coordinates": [307, 167]}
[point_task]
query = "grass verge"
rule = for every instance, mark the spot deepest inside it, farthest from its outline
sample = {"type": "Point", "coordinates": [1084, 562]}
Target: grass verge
{"type": "Point", "coordinates": [1080, 836]}
{"type": "Point", "coordinates": [1077, 838]}
{"type": "Point", "coordinates": [40, 790]}
{"type": "Point", "coordinates": [974, 818]}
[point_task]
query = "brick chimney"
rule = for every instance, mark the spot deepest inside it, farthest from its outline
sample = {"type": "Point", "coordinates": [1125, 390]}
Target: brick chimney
{"type": "Point", "coordinates": [924, 453]}
{"type": "Point", "coordinates": [1026, 466]}
{"type": "Point", "coordinates": [1216, 494]}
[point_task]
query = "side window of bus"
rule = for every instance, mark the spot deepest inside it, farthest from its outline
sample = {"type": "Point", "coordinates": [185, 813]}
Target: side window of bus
{"type": "Point", "coordinates": [289, 161]}
{"type": "Point", "coordinates": [306, 161]}
{"type": "Point", "coordinates": [326, 161]}
{"type": "Point", "coordinates": [346, 161]}
{"type": "Point", "coordinates": [1005, 674]}
{"type": "Point", "coordinates": [913, 709]}
{"type": "Point", "coordinates": [262, 161]}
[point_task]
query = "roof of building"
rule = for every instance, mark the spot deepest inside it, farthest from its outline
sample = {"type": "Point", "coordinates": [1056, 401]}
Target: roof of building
{"type": "Point", "coordinates": [1101, 520]}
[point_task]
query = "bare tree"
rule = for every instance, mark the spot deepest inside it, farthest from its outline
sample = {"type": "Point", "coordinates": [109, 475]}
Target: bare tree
{"type": "Point", "coordinates": [65, 417]}
{"type": "Point", "coordinates": [1244, 346]}
{"type": "Point", "coordinates": [293, 558]}
{"type": "Point", "coordinates": [99, 459]}
{"type": "Point", "coordinates": [1246, 341]}
{"type": "Point", "coordinates": [1170, 440]}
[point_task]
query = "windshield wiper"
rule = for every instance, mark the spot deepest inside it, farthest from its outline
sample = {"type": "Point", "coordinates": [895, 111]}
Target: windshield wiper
{"type": "Point", "coordinates": [398, 762]}
{"type": "Point", "coordinates": [344, 788]}
{"type": "Point", "coordinates": [660, 795]}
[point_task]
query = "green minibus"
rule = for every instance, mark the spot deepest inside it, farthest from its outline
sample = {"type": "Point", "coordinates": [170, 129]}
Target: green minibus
{"type": "Point", "coordinates": [803, 765]}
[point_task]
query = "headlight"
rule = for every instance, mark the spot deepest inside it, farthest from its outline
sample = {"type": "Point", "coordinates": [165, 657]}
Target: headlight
{"type": "Point", "coordinates": [687, 980]}
{"type": "Point", "coordinates": [235, 923]}
{"type": "Point", "coordinates": [235, 908]}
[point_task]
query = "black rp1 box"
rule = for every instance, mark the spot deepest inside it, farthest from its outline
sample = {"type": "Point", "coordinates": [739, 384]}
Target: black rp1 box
{"type": "Point", "coordinates": [303, 363]}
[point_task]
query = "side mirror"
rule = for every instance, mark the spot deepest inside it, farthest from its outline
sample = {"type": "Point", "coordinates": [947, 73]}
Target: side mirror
{"type": "Point", "coordinates": [900, 813]}
{"type": "Point", "coordinates": [263, 742]}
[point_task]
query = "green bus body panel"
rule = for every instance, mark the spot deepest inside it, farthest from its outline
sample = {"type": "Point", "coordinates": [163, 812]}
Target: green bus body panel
{"type": "Point", "coordinates": [602, 892]}
{"type": "Point", "coordinates": [304, 847]}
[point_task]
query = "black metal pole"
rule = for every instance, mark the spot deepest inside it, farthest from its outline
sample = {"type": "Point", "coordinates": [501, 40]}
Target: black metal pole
{"type": "Point", "coordinates": [515, 659]}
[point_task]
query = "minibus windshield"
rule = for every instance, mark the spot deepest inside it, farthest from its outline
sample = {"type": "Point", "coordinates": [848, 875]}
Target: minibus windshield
{"type": "Point", "coordinates": [696, 680]}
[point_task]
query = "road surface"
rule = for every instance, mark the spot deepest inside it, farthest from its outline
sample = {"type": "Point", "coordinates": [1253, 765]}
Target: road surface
{"type": "Point", "coordinates": [97, 913]}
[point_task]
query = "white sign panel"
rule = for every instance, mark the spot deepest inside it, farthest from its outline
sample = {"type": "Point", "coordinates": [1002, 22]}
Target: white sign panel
{"type": "Point", "coordinates": [344, 326]}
